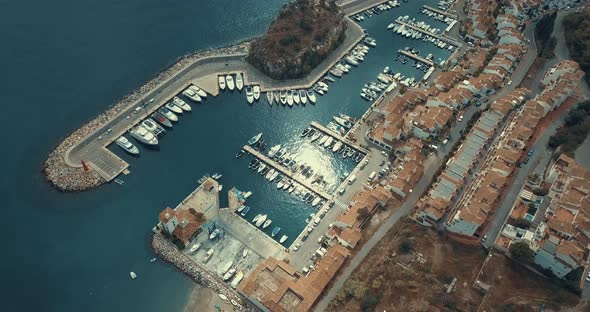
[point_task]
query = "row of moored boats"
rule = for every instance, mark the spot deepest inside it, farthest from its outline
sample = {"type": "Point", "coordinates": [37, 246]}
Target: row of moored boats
{"type": "Point", "coordinates": [428, 33]}
{"type": "Point", "coordinates": [377, 9]}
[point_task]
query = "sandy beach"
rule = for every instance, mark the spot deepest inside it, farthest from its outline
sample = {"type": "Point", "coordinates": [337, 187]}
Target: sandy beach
{"type": "Point", "coordinates": [204, 299]}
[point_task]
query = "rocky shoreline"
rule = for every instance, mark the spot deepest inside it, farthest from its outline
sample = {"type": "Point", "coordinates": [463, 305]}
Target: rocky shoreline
{"type": "Point", "coordinates": [170, 253]}
{"type": "Point", "coordinates": [66, 178]}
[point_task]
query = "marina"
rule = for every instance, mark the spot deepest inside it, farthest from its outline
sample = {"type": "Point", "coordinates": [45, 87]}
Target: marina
{"type": "Point", "coordinates": [416, 57]}
{"type": "Point", "coordinates": [442, 38]}
{"type": "Point", "coordinates": [437, 11]}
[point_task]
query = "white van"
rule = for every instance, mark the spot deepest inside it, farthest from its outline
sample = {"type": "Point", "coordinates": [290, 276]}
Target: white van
{"type": "Point", "coordinates": [351, 179]}
{"type": "Point", "coordinates": [372, 176]}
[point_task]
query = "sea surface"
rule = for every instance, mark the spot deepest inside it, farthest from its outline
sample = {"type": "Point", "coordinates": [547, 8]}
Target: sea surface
{"type": "Point", "coordinates": [65, 62]}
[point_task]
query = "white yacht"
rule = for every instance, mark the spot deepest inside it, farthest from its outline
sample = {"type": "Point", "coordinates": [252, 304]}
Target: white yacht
{"type": "Point", "coordinates": [255, 139]}
{"type": "Point", "coordinates": [311, 96]}
{"type": "Point", "coordinates": [269, 97]}
{"type": "Point", "coordinates": [239, 81]}
{"type": "Point", "coordinates": [261, 220]}
{"type": "Point", "coordinates": [249, 95]}
{"type": "Point", "coordinates": [337, 147]}
{"type": "Point", "coordinates": [191, 95]}
{"type": "Point", "coordinates": [296, 98]}
{"type": "Point", "coordinates": [328, 142]}
{"type": "Point", "coordinates": [133, 275]}
{"type": "Point", "coordinates": [316, 201]}
{"type": "Point", "coordinates": [315, 136]}
{"type": "Point", "coordinates": [343, 122]}
{"type": "Point", "coordinates": [283, 239]}
{"type": "Point", "coordinates": [143, 135]}
{"type": "Point", "coordinates": [324, 139]}
{"type": "Point", "coordinates": [256, 92]}
{"type": "Point", "coordinates": [198, 91]}
{"type": "Point", "coordinates": [273, 150]}
{"type": "Point", "coordinates": [290, 97]}
{"type": "Point", "coordinates": [302, 97]}
{"type": "Point", "coordinates": [266, 223]}
{"type": "Point", "coordinates": [237, 279]}
{"type": "Point", "coordinates": [127, 146]}
{"type": "Point", "coordinates": [168, 114]}
{"type": "Point", "coordinates": [173, 108]}
{"type": "Point", "coordinates": [182, 104]}
{"type": "Point", "coordinates": [283, 97]}
{"type": "Point", "coordinates": [229, 79]}
{"type": "Point", "coordinates": [221, 81]}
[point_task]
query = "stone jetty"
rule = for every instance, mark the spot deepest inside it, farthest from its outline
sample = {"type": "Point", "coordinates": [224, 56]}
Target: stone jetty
{"type": "Point", "coordinates": [72, 177]}
{"type": "Point", "coordinates": [171, 254]}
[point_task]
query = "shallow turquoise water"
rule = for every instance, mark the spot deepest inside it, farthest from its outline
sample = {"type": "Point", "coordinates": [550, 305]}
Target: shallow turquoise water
{"type": "Point", "coordinates": [64, 63]}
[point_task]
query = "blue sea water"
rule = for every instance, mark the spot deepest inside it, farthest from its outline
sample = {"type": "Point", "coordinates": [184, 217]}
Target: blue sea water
{"type": "Point", "coordinates": [63, 63]}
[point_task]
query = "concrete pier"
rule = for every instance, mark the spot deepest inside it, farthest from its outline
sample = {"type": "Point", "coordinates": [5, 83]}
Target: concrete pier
{"type": "Point", "coordinates": [426, 32]}
{"type": "Point", "coordinates": [416, 57]}
{"type": "Point", "coordinates": [337, 136]}
{"type": "Point", "coordinates": [286, 172]}
{"type": "Point", "coordinates": [447, 14]}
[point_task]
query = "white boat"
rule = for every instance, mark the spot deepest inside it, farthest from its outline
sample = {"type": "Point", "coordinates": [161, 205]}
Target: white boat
{"type": "Point", "coordinates": [324, 139]}
{"type": "Point", "coordinates": [269, 174]}
{"type": "Point", "coordinates": [343, 122]}
{"type": "Point", "coordinates": [127, 146]}
{"type": "Point", "coordinates": [247, 194]}
{"type": "Point", "coordinates": [311, 96]}
{"type": "Point", "coordinates": [221, 82]}
{"type": "Point", "coordinates": [266, 223]}
{"type": "Point", "coordinates": [283, 238]}
{"type": "Point", "coordinates": [261, 168]}
{"type": "Point", "coordinates": [237, 280]}
{"type": "Point", "coordinates": [316, 201]}
{"type": "Point", "coordinates": [220, 187]}
{"type": "Point", "coordinates": [133, 275]}
{"type": "Point", "coordinates": [191, 95]}
{"type": "Point", "coordinates": [296, 98]}
{"type": "Point", "coordinates": [195, 247]}
{"type": "Point", "coordinates": [328, 142]}
{"type": "Point", "coordinates": [303, 97]}
{"type": "Point", "coordinates": [283, 97]}
{"type": "Point", "coordinates": [337, 147]}
{"type": "Point", "coordinates": [150, 125]}
{"type": "Point", "coordinates": [256, 218]}
{"type": "Point", "coordinates": [274, 176]}
{"type": "Point", "coordinates": [315, 136]}
{"type": "Point", "coordinates": [226, 267]}
{"type": "Point", "coordinates": [229, 274]}
{"type": "Point", "coordinates": [168, 114]}
{"type": "Point", "coordinates": [255, 139]}
{"type": "Point", "coordinates": [198, 91]}
{"type": "Point", "coordinates": [182, 104]}
{"type": "Point", "coordinates": [241, 208]}
{"type": "Point", "coordinates": [208, 255]}
{"type": "Point", "coordinates": [239, 81]}
{"type": "Point", "coordinates": [173, 108]}
{"type": "Point", "coordinates": [229, 79]}
{"type": "Point", "coordinates": [143, 135]}
{"type": "Point", "coordinates": [290, 97]}
{"type": "Point", "coordinates": [249, 95]}
{"type": "Point", "coordinates": [273, 150]}
{"type": "Point", "coordinates": [269, 97]}
{"type": "Point", "coordinates": [245, 253]}
{"type": "Point", "coordinates": [261, 220]}
{"type": "Point", "coordinates": [390, 26]}
{"type": "Point", "coordinates": [256, 92]}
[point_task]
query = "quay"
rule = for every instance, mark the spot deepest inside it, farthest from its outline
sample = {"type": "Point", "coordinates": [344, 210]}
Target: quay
{"type": "Point", "coordinates": [337, 136]}
{"type": "Point", "coordinates": [426, 32]}
{"type": "Point", "coordinates": [447, 14]}
{"type": "Point", "coordinates": [416, 57]}
{"type": "Point", "coordinates": [286, 172]}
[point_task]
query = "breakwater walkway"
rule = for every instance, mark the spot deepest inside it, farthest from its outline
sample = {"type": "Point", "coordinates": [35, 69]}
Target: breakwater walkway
{"type": "Point", "coordinates": [63, 167]}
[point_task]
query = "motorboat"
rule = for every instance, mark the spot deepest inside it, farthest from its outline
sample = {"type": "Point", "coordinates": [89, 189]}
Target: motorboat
{"type": "Point", "coordinates": [208, 255]}
{"type": "Point", "coordinates": [173, 108]}
{"type": "Point", "coordinates": [273, 150]}
{"type": "Point", "coordinates": [229, 274]}
{"type": "Point", "coordinates": [241, 208]}
{"type": "Point", "coordinates": [315, 136]}
{"type": "Point", "coordinates": [217, 176]}
{"type": "Point", "coordinates": [316, 201]}
{"type": "Point", "coordinates": [269, 97]}
{"type": "Point", "coordinates": [144, 136]}
{"type": "Point", "coordinates": [256, 91]}
{"type": "Point", "coordinates": [221, 82]}
{"type": "Point", "coordinates": [274, 176]}
{"type": "Point", "coordinates": [220, 188]}
{"type": "Point", "coordinates": [302, 97]}
{"type": "Point", "coordinates": [127, 146]}
{"type": "Point", "coordinates": [275, 231]}
{"type": "Point", "coordinates": [240, 153]}
{"type": "Point", "coordinates": [256, 218]}
{"type": "Point", "coordinates": [195, 247]}
{"type": "Point", "coordinates": [239, 81]}
{"type": "Point", "coordinates": [346, 117]}
{"type": "Point", "coordinates": [168, 114]}
{"type": "Point", "coordinates": [283, 238]}
{"type": "Point", "coordinates": [328, 141]}
{"type": "Point", "coordinates": [351, 60]}
{"type": "Point", "coordinates": [324, 139]}
{"type": "Point", "coordinates": [245, 211]}
{"type": "Point", "coordinates": [150, 125]}
{"type": "Point", "coordinates": [225, 268]}
{"type": "Point", "coordinates": [247, 194]}
{"type": "Point", "coordinates": [296, 98]}
{"type": "Point", "coordinates": [191, 95]}
{"type": "Point", "coordinates": [161, 119]}
{"type": "Point", "coordinates": [343, 122]}
{"type": "Point", "coordinates": [249, 95]}
{"type": "Point", "coordinates": [269, 174]}
{"type": "Point", "coordinates": [237, 279]}
{"type": "Point", "coordinates": [182, 104]}
{"type": "Point", "coordinates": [133, 275]}
{"type": "Point", "coordinates": [390, 26]}
{"type": "Point", "coordinates": [290, 97]}
{"type": "Point", "coordinates": [283, 97]}
{"type": "Point", "coordinates": [255, 139]}
{"type": "Point", "coordinates": [229, 79]}
{"type": "Point", "coordinates": [261, 220]}
{"type": "Point", "coordinates": [281, 184]}
{"type": "Point", "coordinates": [337, 147]}
{"type": "Point", "coordinates": [198, 91]}
{"type": "Point", "coordinates": [266, 223]}
{"type": "Point", "coordinates": [311, 96]}
{"type": "Point", "coordinates": [261, 168]}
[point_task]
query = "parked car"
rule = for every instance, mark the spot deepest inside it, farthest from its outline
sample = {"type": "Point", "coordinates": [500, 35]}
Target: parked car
{"type": "Point", "coordinates": [485, 237]}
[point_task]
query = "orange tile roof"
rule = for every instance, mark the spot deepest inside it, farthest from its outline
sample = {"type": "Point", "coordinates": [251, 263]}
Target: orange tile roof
{"type": "Point", "coordinates": [167, 214]}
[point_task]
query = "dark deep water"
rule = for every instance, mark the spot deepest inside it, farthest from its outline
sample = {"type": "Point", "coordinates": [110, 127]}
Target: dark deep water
{"type": "Point", "coordinates": [65, 62]}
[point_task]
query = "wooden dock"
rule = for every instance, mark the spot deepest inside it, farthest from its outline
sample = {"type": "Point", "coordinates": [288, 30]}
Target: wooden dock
{"type": "Point", "coordinates": [429, 33]}
{"type": "Point", "coordinates": [286, 172]}
{"type": "Point", "coordinates": [416, 57]}
{"type": "Point", "coordinates": [338, 137]}
{"type": "Point", "coordinates": [447, 14]}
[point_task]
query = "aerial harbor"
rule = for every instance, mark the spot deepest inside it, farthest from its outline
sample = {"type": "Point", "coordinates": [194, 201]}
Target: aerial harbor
{"type": "Point", "coordinates": [337, 155]}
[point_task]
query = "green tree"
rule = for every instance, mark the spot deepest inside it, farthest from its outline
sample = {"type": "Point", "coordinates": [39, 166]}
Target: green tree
{"type": "Point", "coordinates": [522, 253]}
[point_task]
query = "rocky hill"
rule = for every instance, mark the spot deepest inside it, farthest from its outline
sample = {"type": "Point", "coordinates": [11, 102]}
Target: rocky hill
{"type": "Point", "coordinates": [301, 37]}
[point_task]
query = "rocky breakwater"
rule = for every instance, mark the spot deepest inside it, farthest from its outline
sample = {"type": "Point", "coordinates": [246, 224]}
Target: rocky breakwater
{"type": "Point", "coordinates": [72, 177]}
{"type": "Point", "coordinates": [304, 34]}
{"type": "Point", "coordinates": [171, 254]}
